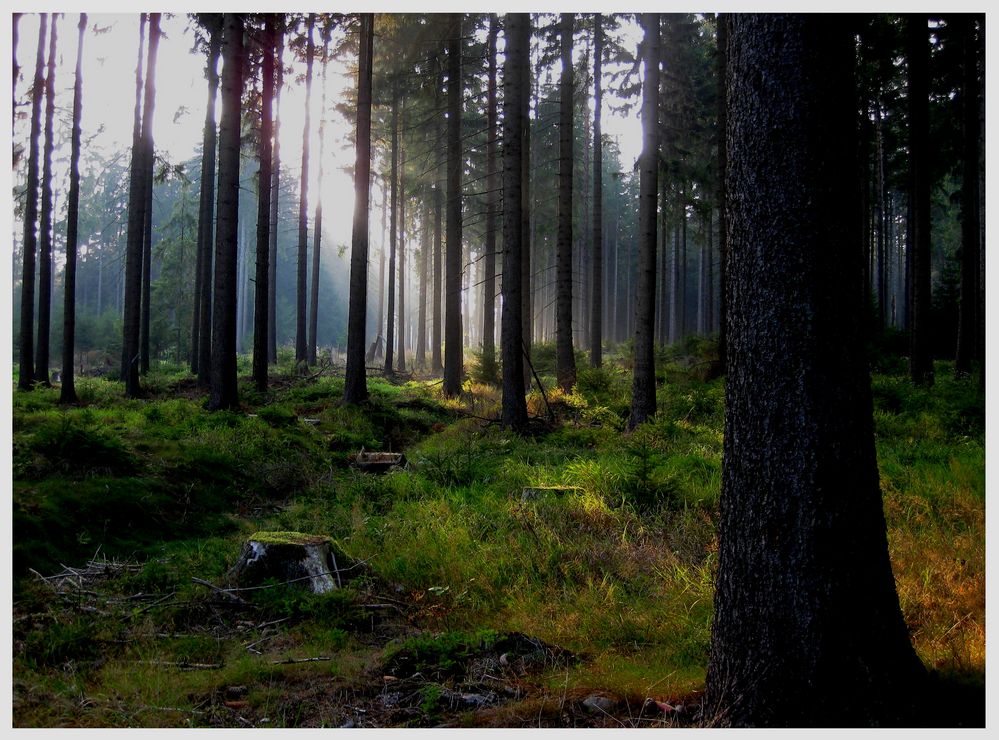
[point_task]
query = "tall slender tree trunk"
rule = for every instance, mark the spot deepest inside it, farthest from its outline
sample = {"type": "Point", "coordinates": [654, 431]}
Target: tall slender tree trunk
{"type": "Point", "coordinates": [526, 277]}
{"type": "Point", "coordinates": [515, 76]}
{"type": "Point", "coordinates": [301, 341]}
{"type": "Point", "coordinates": [355, 379]}
{"type": "Point", "coordinates": [968, 318]}
{"type": "Point", "coordinates": [643, 394]}
{"type": "Point", "coordinates": [67, 394]}
{"type": "Point", "coordinates": [317, 236]}
{"type": "Point", "coordinates": [805, 600]}
{"type": "Point", "coordinates": [393, 236]}
{"type": "Point", "coordinates": [148, 113]}
{"type": "Point", "coordinates": [224, 391]}
{"type": "Point", "coordinates": [45, 222]}
{"type": "Point", "coordinates": [133, 245]}
{"type": "Point", "coordinates": [436, 362]}
{"type": "Point", "coordinates": [488, 368]}
{"type": "Point", "coordinates": [918, 48]}
{"type": "Point", "coordinates": [401, 323]}
{"type": "Point", "coordinates": [275, 191]}
{"type": "Point", "coordinates": [597, 297]}
{"type": "Point", "coordinates": [421, 323]}
{"type": "Point", "coordinates": [206, 209]}
{"type": "Point", "coordinates": [264, 185]}
{"type": "Point", "coordinates": [452, 294]}
{"type": "Point", "coordinates": [565, 360]}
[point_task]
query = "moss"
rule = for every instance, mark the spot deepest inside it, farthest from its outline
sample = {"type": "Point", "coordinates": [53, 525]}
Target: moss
{"type": "Point", "coordinates": [288, 538]}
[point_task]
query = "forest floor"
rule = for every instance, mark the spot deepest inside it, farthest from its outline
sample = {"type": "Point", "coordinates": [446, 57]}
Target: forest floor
{"type": "Point", "coordinates": [559, 579]}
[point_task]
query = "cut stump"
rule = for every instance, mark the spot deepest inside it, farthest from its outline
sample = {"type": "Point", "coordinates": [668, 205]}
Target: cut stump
{"type": "Point", "coordinates": [303, 560]}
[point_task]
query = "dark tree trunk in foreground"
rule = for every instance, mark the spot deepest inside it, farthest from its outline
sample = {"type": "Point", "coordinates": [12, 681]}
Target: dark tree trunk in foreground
{"type": "Point", "coordinates": [805, 601]}
{"type": "Point", "coordinates": [301, 341]}
{"type": "Point", "coordinates": [317, 228]}
{"type": "Point", "coordinates": [565, 359]}
{"type": "Point", "coordinates": [515, 75]}
{"type": "Point", "coordinates": [67, 394]}
{"type": "Point", "coordinates": [452, 259]}
{"type": "Point", "coordinates": [45, 221]}
{"type": "Point", "coordinates": [968, 321]}
{"type": "Point", "coordinates": [918, 52]}
{"type": "Point", "coordinates": [355, 380]}
{"type": "Point", "coordinates": [206, 209]}
{"type": "Point", "coordinates": [526, 282]}
{"type": "Point", "coordinates": [393, 236]}
{"type": "Point", "coordinates": [224, 392]}
{"type": "Point", "coordinates": [643, 394]}
{"type": "Point", "coordinates": [262, 273]}
{"type": "Point", "coordinates": [488, 368]}
{"type": "Point", "coordinates": [26, 368]}
{"type": "Point", "coordinates": [275, 190]}
{"type": "Point", "coordinates": [133, 240]}
{"type": "Point", "coordinates": [148, 112]}
{"type": "Point", "coordinates": [597, 297]}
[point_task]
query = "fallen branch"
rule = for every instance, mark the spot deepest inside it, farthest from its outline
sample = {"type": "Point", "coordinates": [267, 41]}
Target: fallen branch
{"type": "Point", "coordinates": [291, 661]}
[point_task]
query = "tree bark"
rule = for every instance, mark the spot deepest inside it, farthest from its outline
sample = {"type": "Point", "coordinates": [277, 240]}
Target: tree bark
{"type": "Point", "coordinates": [45, 221]}
{"type": "Point", "coordinates": [805, 600]}
{"type": "Point", "coordinates": [275, 191]}
{"type": "Point", "coordinates": [393, 236]}
{"type": "Point", "coordinates": [452, 294]}
{"type": "Point", "coordinates": [133, 240]}
{"type": "Point", "coordinates": [597, 297]}
{"type": "Point", "coordinates": [918, 52]}
{"type": "Point", "coordinates": [401, 322]}
{"type": "Point", "coordinates": [301, 351]}
{"type": "Point", "coordinates": [421, 323]}
{"type": "Point", "coordinates": [565, 360]}
{"type": "Point", "coordinates": [436, 362]}
{"type": "Point", "coordinates": [643, 394]}
{"type": "Point", "coordinates": [526, 281]}
{"type": "Point", "coordinates": [264, 183]}
{"type": "Point", "coordinates": [515, 75]}
{"type": "Point", "coordinates": [317, 235]}
{"type": "Point", "coordinates": [67, 393]}
{"type": "Point", "coordinates": [148, 113]}
{"type": "Point", "coordinates": [355, 380]}
{"type": "Point", "coordinates": [488, 368]}
{"type": "Point", "coordinates": [224, 391]}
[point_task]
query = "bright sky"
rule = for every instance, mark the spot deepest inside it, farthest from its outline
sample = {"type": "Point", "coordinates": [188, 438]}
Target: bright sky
{"type": "Point", "coordinates": [181, 92]}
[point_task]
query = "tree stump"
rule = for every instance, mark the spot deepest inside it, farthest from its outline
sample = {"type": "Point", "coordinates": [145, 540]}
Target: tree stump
{"type": "Point", "coordinates": [303, 560]}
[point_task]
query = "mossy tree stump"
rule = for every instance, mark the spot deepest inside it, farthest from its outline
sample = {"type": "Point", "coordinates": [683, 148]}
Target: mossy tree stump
{"type": "Point", "coordinates": [303, 560]}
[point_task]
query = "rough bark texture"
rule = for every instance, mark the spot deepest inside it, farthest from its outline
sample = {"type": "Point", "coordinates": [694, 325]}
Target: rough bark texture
{"type": "Point", "coordinates": [565, 359]}
{"type": "Point", "coordinates": [421, 322]}
{"type": "Point", "coordinates": [26, 371]}
{"type": "Point", "coordinates": [133, 240]}
{"type": "Point", "coordinates": [643, 393]}
{"type": "Point", "coordinates": [224, 393]}
{"type": "Point", "coordinates": [401, 319]}
{"type": "Point", "coordinates": [301, 341]}
{"type": "Point", "coordinates": [517, 31]}
{"type": "Point", "coordinates": [206, 208]}
{"type": "Point", "coordinates": [452, 267]}
{"type": "Point", "coordinates": [148, 114]}
{"type": "Point", "coordinates": [275, 190]}
{"type": "Point", "coordinates": [526, 282]}
{"type": "Point", "coordinates": [436, 337]}
{"type": "Point", "coordinates": [355, 380]}
{"type": "Point", "coordinates": [317, 230]}
{"type": "Point", "coordinates": [805, 602]}
{"type": "Point", "coordinates": [918, 53]}
{"type": "Point", "coordinates": [264, 181]}
{"type": "Point", "coordinates": [393, 236]}
{"type": "Point", "coordinates": [597, 297]}
{"type": "Point", "coordinates": [488, 365]}
{"type": "Point", "coordinates": [45, 221]}
{"type": "Point", "coordinates": [67, 393]}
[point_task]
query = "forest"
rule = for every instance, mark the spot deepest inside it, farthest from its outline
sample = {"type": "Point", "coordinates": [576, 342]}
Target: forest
{"type": "Point", "coordinates": [498, 370]}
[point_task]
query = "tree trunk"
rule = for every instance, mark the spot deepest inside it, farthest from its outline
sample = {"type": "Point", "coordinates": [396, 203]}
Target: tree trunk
{"type": "Point", "coordinates": [45, 221]}
{"type": "Point", "coordinates": [206, 210]}
{"type": "Point", "coordinates": [401, 322]}
{"type": "Point", "coordinates": [565, 360]}
{"type": "Point", "coordinates": [643, 395]}
{"type": "Point", "coordinates": [488, 368]}
{"type": "Point", "coordinates": [918, 51]}
{"type": "Point", "coordinates": [393, 235]}
{"type": "Point", "coordinates": [436, 363]}
{"type": "Point", "coordinates": [133, 245]}
{"type": "Point", "coordinates": [317, 236]}
{"type": "Point", "coordinates": [597, 297]}
{"type": "Point", "coordinates": [452, 293]}
{"type": "Point", "coordinates": [968, 318]}
{"type": "Point", "coordinates": [275, 190]}
{"type": "Point", "coordinates": [67, 393]}
{"type": "Point", "coordinates": [148, 113]}
{"type": "Point", "coordinates": [301, 350]}
{"type": "Point", "coordinates": [355, 380]}
{"type": "Point", "coordinates": [526, 281]}
{"type": "Point", "coordinates": [264, 183]}
{"type": "Point", "coordinates": [224, 392]}
{"type": "Point", "coordinates": [805, 601]}
{"type": "Point", "coordinates": [421, 324]}
{"type": "Point", "coordinates": [515, 76]}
